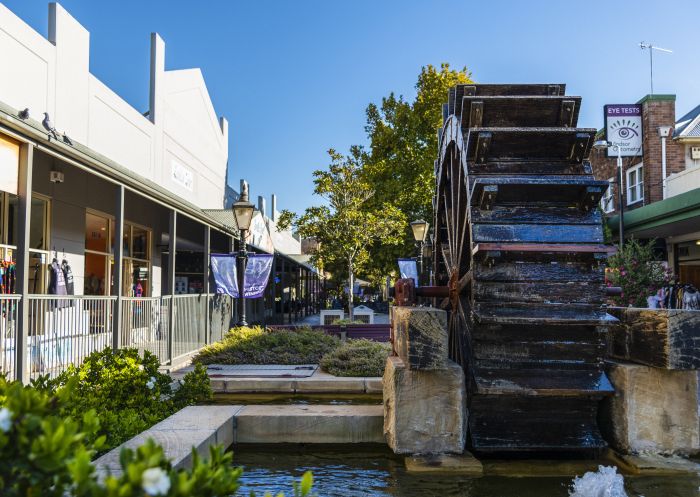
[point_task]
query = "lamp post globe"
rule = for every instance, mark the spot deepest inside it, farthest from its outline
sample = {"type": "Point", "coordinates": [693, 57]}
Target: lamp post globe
{"type": "Point", "coordinates": [243, 215]}
{"type": "Point", "coordinates": [420, 232]}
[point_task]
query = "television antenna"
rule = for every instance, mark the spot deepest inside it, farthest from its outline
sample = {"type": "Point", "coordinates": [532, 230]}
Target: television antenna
{"type": "Point", "coordinates": [651, 48]}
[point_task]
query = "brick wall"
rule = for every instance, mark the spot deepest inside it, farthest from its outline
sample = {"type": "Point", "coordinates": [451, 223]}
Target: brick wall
{"type": "Point", "coordinates": [657, 110]}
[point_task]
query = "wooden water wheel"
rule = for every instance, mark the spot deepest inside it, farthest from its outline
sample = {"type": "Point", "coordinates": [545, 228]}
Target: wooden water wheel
{"type": "Point", "coordinates": [518, 242]}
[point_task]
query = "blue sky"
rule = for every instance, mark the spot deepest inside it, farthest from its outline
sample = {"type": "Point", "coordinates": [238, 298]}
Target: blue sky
{"type": "Point", "coordinates": [294, 77]}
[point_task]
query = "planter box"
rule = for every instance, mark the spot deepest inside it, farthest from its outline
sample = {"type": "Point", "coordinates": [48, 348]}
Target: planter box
{"type": "Point", "coordinates": [667, 339]}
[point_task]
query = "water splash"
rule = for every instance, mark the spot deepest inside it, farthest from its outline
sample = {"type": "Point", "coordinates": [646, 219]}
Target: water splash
{"type": "Point", "coordinates": [602, 483]}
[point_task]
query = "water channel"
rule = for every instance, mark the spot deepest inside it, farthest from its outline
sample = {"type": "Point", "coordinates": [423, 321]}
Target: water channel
{"type": "Point", "coordinates": [375, 472]}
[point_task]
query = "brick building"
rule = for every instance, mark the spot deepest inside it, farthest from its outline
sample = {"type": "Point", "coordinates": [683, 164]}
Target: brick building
{"type": "Point", "coordinates": [667, 210]}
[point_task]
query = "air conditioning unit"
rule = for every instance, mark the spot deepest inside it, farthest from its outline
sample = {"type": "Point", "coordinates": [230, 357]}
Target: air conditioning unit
{"type": "Point", "coordinates": [695, 153]}
{"type": "Point", "coordinates": [56, 176]}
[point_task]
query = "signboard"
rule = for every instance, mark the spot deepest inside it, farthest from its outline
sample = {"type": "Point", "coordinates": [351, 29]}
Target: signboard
{"type": "Point", "coordinates": [623, 127]}
{"type": "Point", "coordinates": [9, 164]}
{"type": "Point", "coordinates": [257, 274]}
{"type": "Point", "coordinates": [181, 175]}
{"type": "Point", "coordinates": [408, 269]}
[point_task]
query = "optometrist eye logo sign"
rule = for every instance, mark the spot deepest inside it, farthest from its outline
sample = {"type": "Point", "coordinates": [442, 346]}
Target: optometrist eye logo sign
{"type": "Point", "coordinates": [623, 127]}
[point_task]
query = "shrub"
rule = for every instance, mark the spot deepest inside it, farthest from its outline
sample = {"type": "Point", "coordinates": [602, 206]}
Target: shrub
{"type": "Point", "coordinates": [255, 345]}
{"type": "Point", "coordinates": [357, 358]}
{"type": "Point", "coordinates": [127, 390]}
{"type": "Point", "coordinates": [46, 454]}
{"type": "Point", "coordinates": [636, 270]}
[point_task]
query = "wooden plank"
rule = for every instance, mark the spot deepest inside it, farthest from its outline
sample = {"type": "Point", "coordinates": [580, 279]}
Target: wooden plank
{"type": "Point", "coordinates": [519, 111]}
{"type": "Point", "coordinates": [535, 214]}
{"type": "Point", "coordinates": [476, 114]}
{"type": "Point", "coordinates": [541, 382]}
{"type": "Point", "coordinates": [541, 332]}
{"type": "Point", "coordinates": [580, 191]}
{"type": "Point", "coordinates": [541, 291]}
{"type": "Point", "coordinates": [537, 233]}
{"type": "Point", "coordinates": [668, 339]}
{"type": "Point", "coordinates": [553, 271]}
{"type": "Point", "coordinates": [553, 314]}
{"type": "Point", "coordinates": [544, 247]}
{"type": "Point", "coordinates": [513, 89]}
{"type": "Point", "coordinates": [532, 144]}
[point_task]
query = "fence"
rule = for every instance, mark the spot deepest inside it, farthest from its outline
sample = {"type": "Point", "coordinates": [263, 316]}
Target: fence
{"type": "Point", "coordinates": [63, 330]}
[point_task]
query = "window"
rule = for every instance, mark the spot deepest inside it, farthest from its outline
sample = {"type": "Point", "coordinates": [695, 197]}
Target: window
{"type": "Point", "coordinates": [99, 257]}
{"type": "Point", "coordinates": [38, 241]}
{"type": "Point", "coordinates": [635, 184]}
{"type": "Point", "coordinates": [606, 203]}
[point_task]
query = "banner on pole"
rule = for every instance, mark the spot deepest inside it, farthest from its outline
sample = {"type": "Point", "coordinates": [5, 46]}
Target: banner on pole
{"type": "Point", "coordinates": [408, 269]}
{"type": "Point", "coordinates": [257, 274]}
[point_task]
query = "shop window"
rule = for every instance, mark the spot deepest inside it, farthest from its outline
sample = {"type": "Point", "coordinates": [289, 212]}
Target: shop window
{"type": "Point", "coordinates": [606, 203]}
{"type": "Point", "coordinates": [99, 257]}
{"type": "Point", "coordinates": [635, 184]}
{"type": "Point", "coordinates": [38, 242]}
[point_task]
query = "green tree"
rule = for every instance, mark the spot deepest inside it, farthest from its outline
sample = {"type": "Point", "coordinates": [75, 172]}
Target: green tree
{"type": "Point", "coordinates": [344, 227]}
{"type": "Point", "coordinates": [401, 156]}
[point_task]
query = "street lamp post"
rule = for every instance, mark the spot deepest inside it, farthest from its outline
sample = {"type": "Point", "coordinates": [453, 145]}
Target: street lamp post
{"type": "Point", "coordinates": [420, 231]}
{"type": "Point", "coordinates": [243, 214]}
{"type": "Point", "coordinates": [602, 145]}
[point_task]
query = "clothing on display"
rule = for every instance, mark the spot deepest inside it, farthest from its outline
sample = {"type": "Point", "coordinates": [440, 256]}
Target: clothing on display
{"type": "Point", "coordinates": [681, 296]}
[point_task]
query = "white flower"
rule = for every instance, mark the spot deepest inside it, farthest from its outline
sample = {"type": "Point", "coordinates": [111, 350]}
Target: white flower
{"type": "Point", "coordinates": [151, 383]}
{"type": "Point", "coordinates": [5, 419]}
{"type": "Point", "coordinates": [155, 481]}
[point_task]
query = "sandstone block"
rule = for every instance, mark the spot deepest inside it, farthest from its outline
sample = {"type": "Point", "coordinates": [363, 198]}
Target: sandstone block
{"type": "Point", "coordinates": [420, 337]}
{"type": "Point", "coordinates": [653, 410]}
{"type": "Point", "coordinates": [668, 339]}
{"type": "Point", "coordinates": [424, 411]}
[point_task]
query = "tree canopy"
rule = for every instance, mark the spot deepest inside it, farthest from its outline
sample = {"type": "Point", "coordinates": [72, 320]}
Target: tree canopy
{"type": "Point", "coordinates": [402, 151]}
{"type": "Point", "coordinates": [345, 228]}
{"type": "Point", "coordinates": [373, 194]}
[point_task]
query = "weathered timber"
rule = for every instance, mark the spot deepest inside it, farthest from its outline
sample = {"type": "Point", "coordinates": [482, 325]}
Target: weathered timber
{"type": "Point", "coordinates": [510, 89]}
{"type": "Point", "coordinates": [539, 291]}
{"type": "Point", "coordinates": [668, 339]}
{"type": "Point", "coordinates": [564, 144]}
{"type": "Point", "coordinates": [420, 337]}
{"type": "Point", "coordinates": [537, 233]}
{"type": "Point", "coordinates": [510, 111]}
{"type": "Point", "coordinates": [514, 209]}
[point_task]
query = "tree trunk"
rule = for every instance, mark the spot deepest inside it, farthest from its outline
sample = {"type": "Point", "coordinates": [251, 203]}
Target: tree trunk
{"type": "Point", "coordinates": [351, 281]}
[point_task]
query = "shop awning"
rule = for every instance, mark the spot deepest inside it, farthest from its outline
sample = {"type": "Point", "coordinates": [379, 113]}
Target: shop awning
{"type": "Point", "coordinates": [673, 216]}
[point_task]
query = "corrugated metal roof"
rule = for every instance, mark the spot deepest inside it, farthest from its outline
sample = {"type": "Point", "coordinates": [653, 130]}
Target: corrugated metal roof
{"type": "Point", "coordinates": [687, 120]}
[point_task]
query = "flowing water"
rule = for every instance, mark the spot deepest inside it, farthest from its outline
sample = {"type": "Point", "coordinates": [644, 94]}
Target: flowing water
{"type": "Point", "coordinates": [379, 473]}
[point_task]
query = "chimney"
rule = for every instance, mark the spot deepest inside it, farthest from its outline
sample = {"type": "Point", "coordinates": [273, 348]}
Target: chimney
{"type": "Point", "coordinates": [261, 205]}
{"type": "Point", "coordinates": [273, 208]}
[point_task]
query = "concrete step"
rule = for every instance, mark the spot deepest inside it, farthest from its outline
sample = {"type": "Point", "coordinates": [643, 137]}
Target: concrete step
{"type": "Point", "coordinates": [323, 424]}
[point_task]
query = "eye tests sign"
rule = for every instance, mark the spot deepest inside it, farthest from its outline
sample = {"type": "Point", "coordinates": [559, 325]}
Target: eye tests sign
{"type": "Point", "coordinates": [623, 127]}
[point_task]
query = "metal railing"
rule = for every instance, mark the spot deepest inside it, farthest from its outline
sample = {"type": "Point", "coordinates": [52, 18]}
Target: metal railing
{"type": "Point", "coordinates": [63, 330]}
{"type": "Point", "coordinates": [8, 333]}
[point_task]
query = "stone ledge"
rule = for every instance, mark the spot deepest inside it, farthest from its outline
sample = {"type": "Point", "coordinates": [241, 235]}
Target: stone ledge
{"type": "Point", "coordinates": [314, 384]}
{"type": "Point", "coordinates": [195, 426]}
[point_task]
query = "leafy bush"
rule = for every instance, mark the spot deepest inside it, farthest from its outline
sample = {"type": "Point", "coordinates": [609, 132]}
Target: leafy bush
{"type": "Point", "coordinates": [127, 390]}
{"type": "Point", "coordinates": [47, 454]}
{"type": "Point", "coordinates": [357, 358]}
{"type": "Point", "coordinates": [636, 270]}
{"type": "Point", "coordinates": [348, 321]}
{"type": "Point", "coordinates": [255, 345]}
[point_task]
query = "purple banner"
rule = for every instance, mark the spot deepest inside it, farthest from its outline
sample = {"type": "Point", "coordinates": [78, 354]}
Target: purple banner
{"type": "Point", "coordinates": [408, 269]}
{"type": "Point", "coordinates": [257, 274]}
